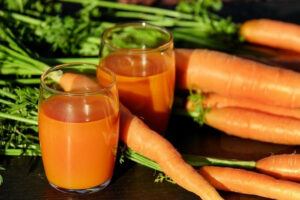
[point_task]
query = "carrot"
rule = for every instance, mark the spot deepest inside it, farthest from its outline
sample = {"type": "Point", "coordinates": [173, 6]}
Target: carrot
{"type": "Point", "coordinates": [249, 124]}
{"type": "Point", "coordinates": [272, 33]}
{"type": "Point", "coordinates": [76, 82]}
{"type": "Point", "coordinates": [140, 138]}
{"type": "Point", "coordinates": [285, 166]}
{"type": "Point", "coordinates": [248, 182]}
{"type": "Point", "coordinates": [228, 75]}
{"type": "Point", "coordinates": [214, 100]}
{"type": "Point", "coordinates": [255, 125]}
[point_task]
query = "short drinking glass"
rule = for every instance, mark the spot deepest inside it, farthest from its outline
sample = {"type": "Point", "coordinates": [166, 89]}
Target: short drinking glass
{"type": "Point", "coordinates": [78, 126]}
{"type": "Point", "coordinates": [141, 55]}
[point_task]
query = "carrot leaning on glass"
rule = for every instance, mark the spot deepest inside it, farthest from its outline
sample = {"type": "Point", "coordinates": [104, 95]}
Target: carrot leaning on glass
{"type": "Point", "coordinates": [228, 75]}
{"type": "Point", "coordinates": [272, 33]}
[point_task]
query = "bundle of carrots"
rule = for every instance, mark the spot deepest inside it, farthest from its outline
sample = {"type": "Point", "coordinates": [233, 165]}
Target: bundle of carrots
{"type": "Point", "coordinates": [245, 98]}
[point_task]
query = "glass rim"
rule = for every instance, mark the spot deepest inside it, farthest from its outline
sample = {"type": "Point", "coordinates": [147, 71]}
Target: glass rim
{"type": "Point", "coordinates": [76, 93]}
{"type": "Point", "coordinates": [161, 47]}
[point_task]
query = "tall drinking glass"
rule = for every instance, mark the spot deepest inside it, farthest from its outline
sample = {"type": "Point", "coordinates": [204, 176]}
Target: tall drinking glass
{"type": "Point", "coordinates": [78, 127]}
{"type": "Point", "coordinates": [141, 55]}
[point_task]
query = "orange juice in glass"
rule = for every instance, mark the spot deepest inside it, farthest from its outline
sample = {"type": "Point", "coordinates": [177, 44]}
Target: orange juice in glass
{"type": "Point", "coordinates": [78, 128]}
{"type": "Point", "coordinates": [141, 55]}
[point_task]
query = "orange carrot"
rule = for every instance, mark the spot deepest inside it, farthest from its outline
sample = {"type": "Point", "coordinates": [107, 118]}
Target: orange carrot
{"type": "Point", "coordinates": [214, 100]}
{"type": "Point", "coordinates": [140, 138]}
{"type": "Point", "coordinates": [254, 125]}
{"type": "Point", "coordinates": [75, 82]}
{"type": "Point", "coordinates": [285, 166]}
{"type": "Point", "coordinates": [211, 71]}
{"type": "Point", "coordinates": [272, 33]}
{"type": "Point", "coordinates": [247, 182]}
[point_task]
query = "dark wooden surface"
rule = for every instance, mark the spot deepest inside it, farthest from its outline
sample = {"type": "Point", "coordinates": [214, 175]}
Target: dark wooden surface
{"type": "Point", "coordinates": [24, 177]}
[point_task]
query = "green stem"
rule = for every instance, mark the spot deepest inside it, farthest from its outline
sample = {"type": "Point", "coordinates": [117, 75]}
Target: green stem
{"type": "Point", "coordinates": [2, 101]}
{"type": "Point", "coordinates": [193, 160]}
{"type": "Point", "coordinates": [200, 161]}
{"type": "Point", "coordinates": [41, 66]}
{"type": "Point", "coordinates": [20, 152]}
{"type": "Point", "coordinates": [28, 81]}
{"type": "Point", "coordinates": [20, 80]}
{"type": "Point", "coordinates": [17, 118]}
{"type": "Point", "coordinates": [8, 94]}
{"type": "Point", "coordinates": [20, 17]}
{"type": "Point", "coordinates": [131, 7]}
{"type": "Point", "coordinates": [94, 60]}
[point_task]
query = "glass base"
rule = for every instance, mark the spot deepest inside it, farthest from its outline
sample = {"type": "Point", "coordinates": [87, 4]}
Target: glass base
{"type": "Point", "coordinates": [82, 191]}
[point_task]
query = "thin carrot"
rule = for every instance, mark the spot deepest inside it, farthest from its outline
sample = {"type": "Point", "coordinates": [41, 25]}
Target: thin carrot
{"type": "Point", "coordinates": [285, 166]}
{"type": "Point", "coordinates": [272, 33]}
{"type": "Point", "coordinates": [212, 71]}
{"type": "Point", "coordinates": [214, 100]}
{"type": "Point", "coordinates": [140, 138]}
{"type": "Point", "coordinates": [248, 182]}
{"type": "Point", "coordinates": [255, 125]}
{"type": "Point", "coordinates": [247, 123]}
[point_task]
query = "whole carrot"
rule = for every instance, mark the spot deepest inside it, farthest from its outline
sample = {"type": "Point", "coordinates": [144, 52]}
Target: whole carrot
{"type": "Point", "coordinates": [248, 182]}
{"type": "Point", "coordinates": [139, 137]}
{"type": "Point", "coordinates": [254, 125]}
{"type": "Point", "coordinates": [213, 100]}
{"type": "Point", "coordinates": [272, 33]}
{"type": "Point", "coordinates": [212, 71]}
{"type": "Point", "coordinates": [285, 166]}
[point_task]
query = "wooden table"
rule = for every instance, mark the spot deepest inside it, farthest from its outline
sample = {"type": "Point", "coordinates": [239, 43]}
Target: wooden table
{"type": "Point", "coordinates": [24, 177]}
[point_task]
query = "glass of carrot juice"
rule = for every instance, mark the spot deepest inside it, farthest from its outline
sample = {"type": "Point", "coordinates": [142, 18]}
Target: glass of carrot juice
{"type": "Point", "coordinates": [141, 55]}
{"type": "Point", "coordinates": [78, 121]}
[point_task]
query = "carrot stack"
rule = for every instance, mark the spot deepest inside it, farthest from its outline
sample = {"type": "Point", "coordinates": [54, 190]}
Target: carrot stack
{"type": "Point", "coordinates": [245, 98]}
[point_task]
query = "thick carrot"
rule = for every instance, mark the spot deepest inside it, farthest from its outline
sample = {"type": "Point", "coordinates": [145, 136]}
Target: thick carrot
{"type": "Point", "coordinates": [248, 182]}
{"type": "Point", "coordinates": [214, 100]}
{"type": "Point", "coordinates": [285, 166]}
{"type": "Point", "coordinates": [272, 33]}
{"type": "Point", "coordinates": [140, 138]}
{"type": "Point", "coordinates": [212, 71]}
{"type": "Point", "coordinates": [251, 124]}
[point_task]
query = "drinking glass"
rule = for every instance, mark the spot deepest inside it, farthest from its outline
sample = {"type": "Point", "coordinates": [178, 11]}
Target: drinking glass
{"type": "Point", "coordinates": [78, 127]}
{"type": "Point", "coordinates": [142, 57]}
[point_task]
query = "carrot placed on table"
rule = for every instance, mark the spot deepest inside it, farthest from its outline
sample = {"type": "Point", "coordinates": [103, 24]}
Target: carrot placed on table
{"type": "Point", "coordinates": [140, 138]}
{"type": "Point", "coordinates": [255, 125]}
{"type": "Point", "coordinates": [213, 100]}
{"type": "Point", "coordinates": [249, 124]}
{"type": "Point", "coordinates": [248, 182]}
{"type": "Point", "coordinates": [212, 71]}
{"type": "Point", "coordinates": [285, 166]}
{"type": "Point", "coordinates": [272, 33]}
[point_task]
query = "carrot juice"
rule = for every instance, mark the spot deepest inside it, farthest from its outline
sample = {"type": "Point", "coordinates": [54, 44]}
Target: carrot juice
{"type": "Point", "coordinates": [78, 137]}
{"type": "Point", "coordinates": [78, 123]}
{"type": "Point", "coordinates": [145, 84]}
